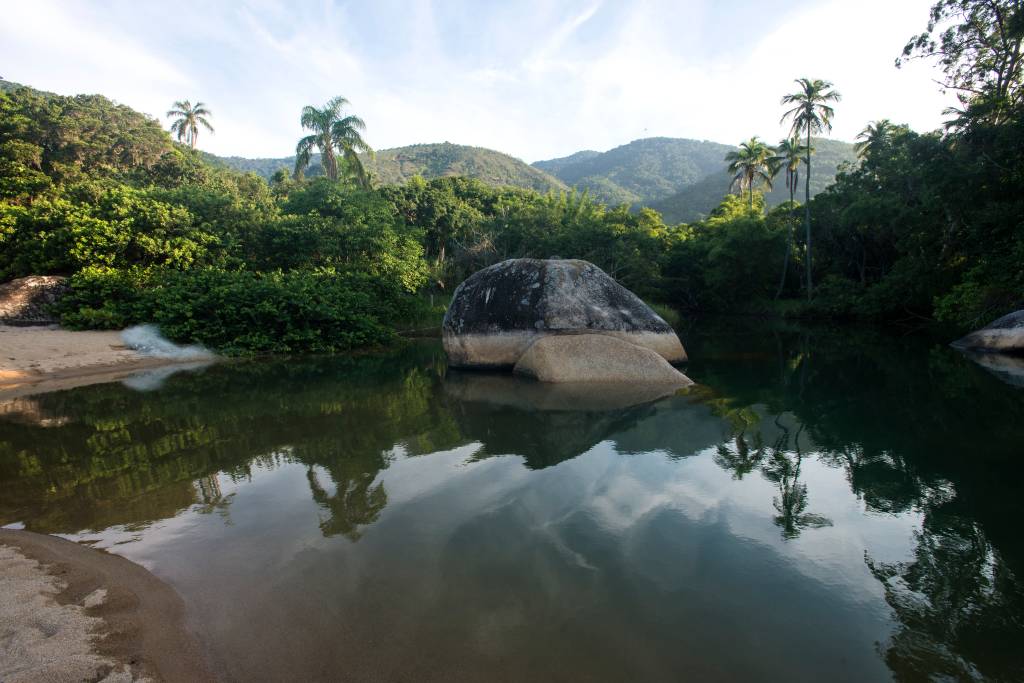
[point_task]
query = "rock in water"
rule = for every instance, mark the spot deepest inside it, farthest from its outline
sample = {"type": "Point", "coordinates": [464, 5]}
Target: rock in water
{"type": "Point", "coordinates": [26, 301]}
{"type": "Point", "coordinates": [1005, 335]}
{"type": "Point", "coordinates": [596, 358]}
{"type": "Point", "coordinates": [498, 312]}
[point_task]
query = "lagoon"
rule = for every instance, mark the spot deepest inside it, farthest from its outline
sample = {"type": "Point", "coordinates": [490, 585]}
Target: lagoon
{"type": "Point", "coordinates": [829, 503]}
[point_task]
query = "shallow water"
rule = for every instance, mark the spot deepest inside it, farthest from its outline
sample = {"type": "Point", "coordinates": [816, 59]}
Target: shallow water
{"type": "Point", "coordinates": [834, 505]}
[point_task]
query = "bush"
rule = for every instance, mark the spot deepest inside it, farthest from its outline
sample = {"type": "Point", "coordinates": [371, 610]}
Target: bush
{"type": "Point", "coordinates": [240, 312]}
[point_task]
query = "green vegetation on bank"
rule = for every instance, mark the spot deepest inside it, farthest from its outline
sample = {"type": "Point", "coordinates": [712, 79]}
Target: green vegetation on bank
{"type": "Point", "coordinates": [926, 227]}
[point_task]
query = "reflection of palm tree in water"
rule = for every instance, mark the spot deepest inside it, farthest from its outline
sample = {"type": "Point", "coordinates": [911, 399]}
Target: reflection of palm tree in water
{"type": "Point", "coordinates": [356, 502]}
{"type": "Point", "coordinates": [211, 498]}
{"type": "Point", "coordinates": [791, 503]}
{"type": "Point", "coordinates": [777, 465]}
{"type": "Point", "coordinates": [740, 458]}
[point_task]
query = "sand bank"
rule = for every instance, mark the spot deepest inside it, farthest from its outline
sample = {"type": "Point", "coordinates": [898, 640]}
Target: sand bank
{"type": "Point", "coordinates": [69, 612]}
{"type": "Point", "coordinates": [37, 359]}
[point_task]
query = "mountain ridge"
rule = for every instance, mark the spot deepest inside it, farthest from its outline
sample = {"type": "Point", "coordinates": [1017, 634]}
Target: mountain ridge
{"type": "Point", "coordinates": [681, 178]}
{"type": "Point", "coordinates": [397, 165]}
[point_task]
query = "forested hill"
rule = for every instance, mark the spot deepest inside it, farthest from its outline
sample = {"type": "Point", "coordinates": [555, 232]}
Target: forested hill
{"type": "Point", "coordinates": [640, 172]}
{"type": "Point", "coordinates": [395, 166]}
{"type": "Point", "coordinates": [683, 179]}
{"type": "Point", "coordinates": [698, 199]}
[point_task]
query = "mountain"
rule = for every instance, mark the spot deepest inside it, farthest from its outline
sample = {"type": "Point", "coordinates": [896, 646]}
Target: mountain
{"type": "Point", "coordinates": [640, 172]}
{"type": "Point", "coordinates": [395, 166]}
{"type": "Point", "coordinates": [682, 179]}
{"type": "Point", "coordinates": [698, 199]}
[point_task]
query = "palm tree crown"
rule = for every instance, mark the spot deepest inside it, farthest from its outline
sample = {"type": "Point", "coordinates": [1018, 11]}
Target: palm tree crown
{"type": "Point", "coordinates": [810, 114]}
{"type": "Point", "coordinates": [751, 165]}
{"type": "Point", "coordinates": [788, 156]}
{"type": "Point", "coordinates": [187, 119]}
{"type": "Point", "coordinates": [332, 134]}
{"type": "Point", "coordinates": [875, 135]}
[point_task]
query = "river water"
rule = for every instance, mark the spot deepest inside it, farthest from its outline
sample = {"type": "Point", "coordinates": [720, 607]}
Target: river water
{"type": "Point", "coordinates": [828, 504]}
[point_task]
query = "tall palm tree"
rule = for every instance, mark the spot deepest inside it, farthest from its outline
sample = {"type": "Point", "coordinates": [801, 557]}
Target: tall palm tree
{"type": "Point", "coordinates": [788, 155]}
{"type": "Point", "coordinates": [333, 134]}
{"type": "Point", "coordinates": [873, 137]}
{"type": "Point", "coordinates": [810, 114]}
{"type": "Point", "coordinates": [751, 165]}
{"type": "Point", "coordinates": [188, 118]}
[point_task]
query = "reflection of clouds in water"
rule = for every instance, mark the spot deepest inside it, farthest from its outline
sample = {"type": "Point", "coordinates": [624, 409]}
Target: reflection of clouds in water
{"type": "Point", "coordinates": [151, 380]}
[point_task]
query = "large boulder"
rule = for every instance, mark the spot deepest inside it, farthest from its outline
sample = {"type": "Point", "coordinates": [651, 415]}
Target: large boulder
{"type": "Point", "coordinates": [596, 358]}
{"type": "Point", "coordinates": [26, 301]}
{"type": "Point", "coordinates": [498, 312]}
{"type": "Point", "coordinates": [1005, 335]}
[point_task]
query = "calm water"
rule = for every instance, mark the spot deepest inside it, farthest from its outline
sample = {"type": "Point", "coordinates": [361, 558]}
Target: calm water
{"type": "Point", "coordinates": [828, 505]}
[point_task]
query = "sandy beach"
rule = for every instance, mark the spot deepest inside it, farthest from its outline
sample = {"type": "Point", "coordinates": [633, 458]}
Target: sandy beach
{"type": "Point", "coordinates": [37, 359]}
{"type": "Point", "coordinates": [71, 613]}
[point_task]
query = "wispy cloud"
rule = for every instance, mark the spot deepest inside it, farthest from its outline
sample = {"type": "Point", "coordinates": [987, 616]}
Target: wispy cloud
{"type": "Point", "coordinates": [536, 79]}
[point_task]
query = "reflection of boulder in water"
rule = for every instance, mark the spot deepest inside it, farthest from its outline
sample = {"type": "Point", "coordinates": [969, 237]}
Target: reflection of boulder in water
{"type": "Point", "coordinates": [1009, 369]}
{"type": "Point", "coordinates": [545, 424]}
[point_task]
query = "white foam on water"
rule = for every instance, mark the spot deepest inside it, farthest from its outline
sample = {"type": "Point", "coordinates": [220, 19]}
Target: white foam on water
{"type": "Point", "coordinates": [147, 340]}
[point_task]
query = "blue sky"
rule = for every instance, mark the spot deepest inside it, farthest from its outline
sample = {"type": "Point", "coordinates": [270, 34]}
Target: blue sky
{"type": "Point", "coordinates": [536, 78]}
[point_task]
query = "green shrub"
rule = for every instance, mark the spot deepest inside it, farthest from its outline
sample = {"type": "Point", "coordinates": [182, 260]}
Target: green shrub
{"type": "Point", "coordinates": [240, 312]}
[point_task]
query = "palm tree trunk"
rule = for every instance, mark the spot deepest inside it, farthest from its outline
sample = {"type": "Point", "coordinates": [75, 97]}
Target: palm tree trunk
{"type": "Point", "coordinates": [807, 213]}
{"type": "Point", "coordinates": [329, 163]}
{"type": "Point", "coordinates": [791, 184]}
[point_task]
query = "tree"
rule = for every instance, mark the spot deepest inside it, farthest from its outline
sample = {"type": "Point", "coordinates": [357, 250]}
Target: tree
{"type": "Point", "coordinates": [978, 45]}
{"type": "Point", "coordinates": [811, 114]}
{"type": "Point", "coordinates": [788, 155]}
{"type": "Point", "coordinates": [332, 134]}
{"type": "Point", "coordinates": [875, 135]}
{"type": "Point", "coordinates": [751, 165]}
{"type": "Point", "coordinates": [188, 118]}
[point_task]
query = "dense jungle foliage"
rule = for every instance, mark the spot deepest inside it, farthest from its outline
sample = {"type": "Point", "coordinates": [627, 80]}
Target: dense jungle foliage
{"type": "Point", "coordinates": [926, 227]}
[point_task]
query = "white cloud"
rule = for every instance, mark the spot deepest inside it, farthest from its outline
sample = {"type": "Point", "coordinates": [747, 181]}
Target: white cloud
{"type": "Point", "coordinates": [537, 80]}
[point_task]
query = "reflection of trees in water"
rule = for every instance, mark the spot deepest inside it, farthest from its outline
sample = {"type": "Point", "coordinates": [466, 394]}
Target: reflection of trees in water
{"type": "Point", "coordinates": [355, 502]}
{"type": "Point", "coordinates": [211, 499]}
{"type": "Point", "coordinates": [914, 429]}
{"type": "Point", "coordinates": [958, 604]}
{"type": "Point", "coordinates": [780, 465]}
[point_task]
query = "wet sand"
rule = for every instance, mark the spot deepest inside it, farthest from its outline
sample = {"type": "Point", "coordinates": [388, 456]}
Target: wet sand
{"type": "Point", "coordinates": [38, 359]}
{"type": "Point", "coordinates": [69, 612]}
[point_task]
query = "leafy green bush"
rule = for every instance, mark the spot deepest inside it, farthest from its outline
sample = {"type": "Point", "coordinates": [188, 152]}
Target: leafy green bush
{"type": "Point", "coordinates": [240, 312]}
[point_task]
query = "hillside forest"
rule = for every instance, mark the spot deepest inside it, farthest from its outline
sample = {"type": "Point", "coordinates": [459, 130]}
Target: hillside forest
{"type": "Point", "coordinates": [348, 246]}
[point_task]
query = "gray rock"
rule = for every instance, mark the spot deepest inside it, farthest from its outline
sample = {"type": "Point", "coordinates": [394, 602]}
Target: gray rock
{"type": "Point", "coordinates": [498, 312]}
{"type": "Point", "coordinates": [1005, 335]}
{"type": "Point", "coordinates": [25, 301]}
{"type": "Point", "coordinates": [596, 358]}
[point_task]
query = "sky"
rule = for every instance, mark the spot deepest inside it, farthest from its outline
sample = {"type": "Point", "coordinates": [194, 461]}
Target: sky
{"type": "Point", "coordinates": [537, 79]}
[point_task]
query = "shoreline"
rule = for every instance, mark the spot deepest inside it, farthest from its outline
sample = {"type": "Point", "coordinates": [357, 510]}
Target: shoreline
{"type": "Point", "coordinates": [40, 359]}
{"type": "Point", "coordinates": [105, 612]}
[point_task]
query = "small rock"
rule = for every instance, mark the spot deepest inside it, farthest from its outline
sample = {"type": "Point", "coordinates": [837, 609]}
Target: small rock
{"type": "Point", "coordinates": [25, 301]}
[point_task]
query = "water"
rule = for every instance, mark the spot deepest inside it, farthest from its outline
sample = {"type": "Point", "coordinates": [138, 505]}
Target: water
{"type": "Point", "coordinates": [837, 505]}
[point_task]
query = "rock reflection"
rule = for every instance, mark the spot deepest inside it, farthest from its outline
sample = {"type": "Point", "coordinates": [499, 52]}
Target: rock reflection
{"type": "Point", "coordinates": [544, 424]}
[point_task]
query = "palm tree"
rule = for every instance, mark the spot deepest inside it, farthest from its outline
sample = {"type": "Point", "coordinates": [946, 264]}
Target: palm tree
{"type": "Point", "coordinates": [873, 137]}
{"type": "Point", "coordinates": [333, 133]}
{"type": "Point", "coordinates": [188, 119]}
{"type": "Point", "coordinates": [788, 155]}
{"type": "Point", "coordinates": [811, 114]}
{"type": "Point", "coordinates": [751, 165]}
